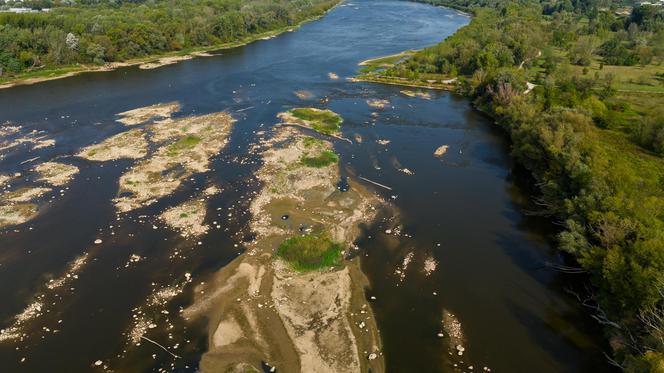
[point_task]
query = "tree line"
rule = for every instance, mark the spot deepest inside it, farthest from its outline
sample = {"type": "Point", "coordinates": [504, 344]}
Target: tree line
{"type": "Point", "coordinates": [97, 32]}
{"type": "Point", "coordinates": [606, 193]}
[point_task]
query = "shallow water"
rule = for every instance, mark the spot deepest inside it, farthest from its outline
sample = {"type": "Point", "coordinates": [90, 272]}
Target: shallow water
{"type": "Point", "coordinates": [463, 212]}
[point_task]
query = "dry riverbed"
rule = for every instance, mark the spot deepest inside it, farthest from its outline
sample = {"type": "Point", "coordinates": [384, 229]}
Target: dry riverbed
{"type": "Point", "coordinates": [131, 144]}
{"type": "Point", "coordinates": [185, 146]}
{"type": "Point", "coordinates": [144, 114]}
{"type": "Point", "coordinates": [264, 308]}
{"type": "Point", "coordinates": [21, 202]}
{"type": "Point", "coordinates": [187, 218]}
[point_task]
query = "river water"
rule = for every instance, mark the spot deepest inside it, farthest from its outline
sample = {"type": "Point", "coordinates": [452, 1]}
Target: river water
{"type": "Point", "coordinates": [460, 243]}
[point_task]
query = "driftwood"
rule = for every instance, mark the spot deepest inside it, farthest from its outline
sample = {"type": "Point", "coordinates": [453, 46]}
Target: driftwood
{"type": "Point", "coordinates": [375, 183]}
{"type": "Point", "coordinates": [162, 347]}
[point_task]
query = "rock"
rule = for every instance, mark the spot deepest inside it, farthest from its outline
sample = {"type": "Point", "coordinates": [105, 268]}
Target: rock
{"type": "Point", "coordinates": [372, 356]}
{"type": "Point", "coordinates": [98, 363]}
{"type": "Point", "coordinates": [97, 241]}
{"type": "Point", "coordinates": [441, 150]}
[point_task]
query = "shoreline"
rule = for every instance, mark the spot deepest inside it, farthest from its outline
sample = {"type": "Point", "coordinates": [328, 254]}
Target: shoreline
{"type": "Point", "coordinates": [410, 83]}
{"type": "Point", "coordinates": [68, 71]}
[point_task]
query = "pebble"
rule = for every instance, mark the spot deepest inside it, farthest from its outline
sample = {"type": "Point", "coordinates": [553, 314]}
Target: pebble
{"type": "Point", "coordinates": [98, 363]}
{"type": "Point", "coordinates": [97, 241]}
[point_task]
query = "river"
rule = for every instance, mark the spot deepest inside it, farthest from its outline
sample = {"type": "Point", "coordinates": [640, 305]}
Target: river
{"type": "Point", "coordinates": [460, 247]}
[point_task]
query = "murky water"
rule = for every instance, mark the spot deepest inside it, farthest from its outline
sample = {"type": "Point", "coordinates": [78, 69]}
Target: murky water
{"type": "Point", "coordinates": [460, 244]}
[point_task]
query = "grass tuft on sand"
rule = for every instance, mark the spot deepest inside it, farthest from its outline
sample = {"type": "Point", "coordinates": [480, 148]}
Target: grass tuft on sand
{"type": "Point", "coordinates": [310, 252]}
{"type": "Point", "coordinates": [324, 159]}
{"type": "Point", "coordinates": [185, 143]}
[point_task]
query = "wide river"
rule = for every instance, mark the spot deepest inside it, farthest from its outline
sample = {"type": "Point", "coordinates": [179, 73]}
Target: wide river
{"type": "Point", "coordinates": [465, 245]}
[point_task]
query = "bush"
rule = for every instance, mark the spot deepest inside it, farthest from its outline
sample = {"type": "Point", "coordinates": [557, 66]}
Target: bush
{"type": "Point", "coordinates": [650, 133]}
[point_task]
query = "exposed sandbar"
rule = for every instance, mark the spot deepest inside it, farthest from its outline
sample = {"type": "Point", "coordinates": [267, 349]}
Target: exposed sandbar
{"type": "Point", "coordinates": [131, 144]}
{"type": "Point", "coordinates": [188, 218]}
{"type": "Point", "coordinates": [55, 173]}
{"type": "Point", "coordinates": [187, 145]}
{"type": "Point", "coordinates": [164, 61]}
{"type": "Point", "coordinates": [147, 113]}
{"type": "Point", "coordinates": [260, 308]}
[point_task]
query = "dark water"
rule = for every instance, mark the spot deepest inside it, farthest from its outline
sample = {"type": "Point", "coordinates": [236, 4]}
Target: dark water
{"type": "Point", "coordinates": [464, 212]}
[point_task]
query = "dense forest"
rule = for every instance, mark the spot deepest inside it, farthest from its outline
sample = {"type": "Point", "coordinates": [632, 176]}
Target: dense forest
{"type": "Point", "coordinates": [100, 31]}
{"type": "Point", "coordinates": [579, 87]}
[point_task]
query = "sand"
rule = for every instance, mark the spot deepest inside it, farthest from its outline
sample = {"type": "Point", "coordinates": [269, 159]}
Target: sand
{"type": "Point", "coordinates": [164, 61]}
{"type": "Point", "coordinates": [453, 330]}
{"type": "Point", "coordinates": [54, 173]}
{"type": "Point", "coordinates": [188, 218]}
{"type": "Point", "coordinates": [188, 143]}
{"type": "Point", "coordinates": [12, 136]}
{"type": "Point", "coordinates": [304, 95]}
{"type": "Point", "coordinates": [4, 179]}
{"type": "Point", "coordinates": [441, 150]}
{"type": "Point", "coordinates": [261, 310]}
{"type": "Point", "coordinates": [131, 144]}
{"type": "Point", "coordinates": [378, 103]}
{"type": "Point", "coordinates": [16, 213]}
{"type": "Point", "coordinates": [22, 204]}
{"type": "Point", "coordinates": [144, 114]}
{"type": "Point", "coordinates": [25, 194]}
{"type": "Point", "coordinates": [418, 94]}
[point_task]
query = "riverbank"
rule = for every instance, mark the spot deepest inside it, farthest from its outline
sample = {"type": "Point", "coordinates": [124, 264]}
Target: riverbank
{"type": "Point", "coordinates": [153, 61]}
{"type": "Point", "coordinates": [577, 134]}
{"type": "Point", "coordinates": [373, 68]}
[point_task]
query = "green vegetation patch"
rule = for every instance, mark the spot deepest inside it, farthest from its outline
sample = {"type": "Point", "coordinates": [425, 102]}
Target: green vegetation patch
{"type": "Point", "coordinates": [326, 122]}
{"type": "Point", "coordinates": [323, 159]}
{"type": "Point", "coordinates": [311, 141]}
{"type": "Point", "coordinates": [184, 143]}
{"type": "Point", "coordinates": [310, 252]}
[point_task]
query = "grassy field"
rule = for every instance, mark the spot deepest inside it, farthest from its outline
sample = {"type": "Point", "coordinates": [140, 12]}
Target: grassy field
{"type": "Point", "coordinates": [310, 252]}
{"type": "Point", "coordinates": [323, 121]}
{"type": "Point", "coordinates": [628, 78]}
{"type": "Point", "coordinates": [636, 78]}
